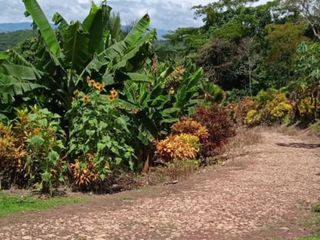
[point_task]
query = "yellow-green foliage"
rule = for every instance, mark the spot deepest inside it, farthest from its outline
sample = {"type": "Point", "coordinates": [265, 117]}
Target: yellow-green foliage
{"type": "Point", "coordinates": [253, 118]}
{"type": "Point", "coordinates": [305, 106]}
{"type": "Point", "coordinates": [278, 108]}
{"type": "Point", "coordinates": [190, 139]}
{"type": "Point", "coordinates": [265, 96]}
{"type": "Point", "coordinates": [190, 126]}
{"type": "Point", "coordinates": [247, 104]}
{"type": "Point", "coordinates": [12, 151]}
{"type": "Point", "coordinates": [179, 147]}
{"type": "Point", "coordinates": [175, 78]}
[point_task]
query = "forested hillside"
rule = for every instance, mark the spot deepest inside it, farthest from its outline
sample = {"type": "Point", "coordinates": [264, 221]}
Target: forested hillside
{"type": "Point", "coordinates": [11, 39]}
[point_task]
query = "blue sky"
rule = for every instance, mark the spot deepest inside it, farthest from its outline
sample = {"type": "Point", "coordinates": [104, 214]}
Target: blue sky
{"type": "Point", "coordinates": [165, 14]}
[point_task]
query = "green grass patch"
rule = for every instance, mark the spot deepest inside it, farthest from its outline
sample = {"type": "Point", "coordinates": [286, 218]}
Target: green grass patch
{"type": "Point", "coordinates": [314, 224]}
{"type": "Point", "coordinates": [10, 204]}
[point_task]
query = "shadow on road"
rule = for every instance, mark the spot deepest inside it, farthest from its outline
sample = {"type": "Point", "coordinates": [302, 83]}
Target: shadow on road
{"type": "Point", "coordinates": [299, 145]}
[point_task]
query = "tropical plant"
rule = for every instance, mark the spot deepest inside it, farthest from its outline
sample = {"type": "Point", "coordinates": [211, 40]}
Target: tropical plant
{"type": "Point", "coordinates": [178, 147]}
{"type": "Point", "coordinates": [80, 49]}
{"type": "Point", "coordinates": [308, 70]}
{"type": "Point", "coordinates": [16, 79]}
{"type": "Point", "coordinates": [253, 118]}
{"type": "Point", "coordinates": [190, 126]}
{"type": "Point", "coordinates": [12, 157]}
{"type": "Point", "coordinates": [153, 107]}
{"type": "Point", "coordinates": [44, 142]}
{"type": "Point", "coordinates": [219, 125]}
{"type": "Point", "coordinates": [99, 136]}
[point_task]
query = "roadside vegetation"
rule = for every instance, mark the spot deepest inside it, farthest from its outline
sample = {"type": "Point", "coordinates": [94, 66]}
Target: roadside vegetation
{"type": "Point", "coordinates": [87, 106]}
{"type": "Point", "coordinates": [12, 203]}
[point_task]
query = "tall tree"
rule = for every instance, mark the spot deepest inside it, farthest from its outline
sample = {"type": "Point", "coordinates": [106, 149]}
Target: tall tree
{"type": "Point", "coordinates": [309, 10]}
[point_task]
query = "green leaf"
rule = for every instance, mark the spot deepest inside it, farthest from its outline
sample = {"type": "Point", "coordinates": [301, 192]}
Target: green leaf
{"type": "Point", "coordinates": [48, 35]}
{"type": "Point", "coordinates": [53, 156]}
{"type": "Point", "coordinates": [36, 141]}
{"type": "Point", "coordinates": [139, 78]}
{"type": "Point", "coordinates": [3, 56]}
{"type": "Point", "coordinates": [75, 47]}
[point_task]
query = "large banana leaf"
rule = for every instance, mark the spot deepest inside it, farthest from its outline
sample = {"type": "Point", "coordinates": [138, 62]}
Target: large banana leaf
{"type": "Point", "coordinates": [59, 21]}
{"type": "Point", "coordinates": [17, 59]}
{"type": "Point", "coordinates": [133, 52]}
{"type": "Point", "coordinates": [16, 80]}
{"type": "Point", "coordinates": [95, 24]}
{"type": "Point", "coordinates": [138, 30]}
{"type": "Point", "coordinates": [76, 46]}
{"type": "Point", "coordinates": [47, 33]}
{"type": "Point", "coordinates": [118, 54]}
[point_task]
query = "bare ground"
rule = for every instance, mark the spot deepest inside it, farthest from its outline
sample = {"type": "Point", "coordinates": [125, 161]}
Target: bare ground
{"type": "Point", "coordinates": [265, 193]}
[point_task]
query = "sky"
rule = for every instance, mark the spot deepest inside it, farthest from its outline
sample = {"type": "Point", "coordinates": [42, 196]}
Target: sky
{"type": "Point", "coordinates": [165, 14]}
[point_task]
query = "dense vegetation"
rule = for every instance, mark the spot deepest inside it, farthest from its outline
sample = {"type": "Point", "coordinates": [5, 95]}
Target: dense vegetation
{"type": "Point", "coordinates": [86, 102]}
{"type": "Point", "coordinates": [11, 39]}
{"type": "Point", "coordinates": [258, 51]}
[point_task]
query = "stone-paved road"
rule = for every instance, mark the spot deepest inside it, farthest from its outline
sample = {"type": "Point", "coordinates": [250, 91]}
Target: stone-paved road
{"type": "Point", "coordinates": [264, 194]}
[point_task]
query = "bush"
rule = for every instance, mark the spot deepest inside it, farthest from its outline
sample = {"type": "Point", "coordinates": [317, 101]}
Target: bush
{"type": "Point", "coordinates": [190, 126]}
{"type": "Point", "coordinates": [175, 78]}
{"type": "Point", "coordinates": [101, 131]}
{"type": "Point", "coordinates": [85, 173]}
{"type": "Point", "coordinates": [305, 107]}
{"type": "Point", "coordinates": [12, 156]}
{"type": "Point", "coordinates": [178, 147]}
{"type": "Point", "coordinates": [44, 141]}
{"type": "Point", "coordinates": [239, 111]}
{"type": "Point", "coordinates": [246, 105]}
{"type": "Point", "coordinates": [253, 118]}
{"type": "Point", "coordinates": [219, 126]}
{"type": "Point", "coordinates": [278, 109]}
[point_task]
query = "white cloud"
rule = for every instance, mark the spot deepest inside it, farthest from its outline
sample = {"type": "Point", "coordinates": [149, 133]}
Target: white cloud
{"type": "Point", "coordinates": [165, 14]}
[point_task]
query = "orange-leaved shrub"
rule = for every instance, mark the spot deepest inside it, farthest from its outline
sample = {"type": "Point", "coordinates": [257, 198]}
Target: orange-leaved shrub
{"type": "Point", "coordinates": [178, 147]}
{"type": "Point", "coordinates": [86, 173]}
{"type": "Point", "coordinates": [190, 126]}
{"type": "Point", "coordinates": [219, 125]}
{"type": "Point", "coordinates": [12, 156]}
{"type": "Point", "coordinates": [246, 105]}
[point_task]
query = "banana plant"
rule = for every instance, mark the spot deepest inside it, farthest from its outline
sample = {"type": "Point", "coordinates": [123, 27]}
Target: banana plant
{"type": "Point", "coordinates": [153, 107]}
{"type": "Point", "coordinates": [16, 79]}
{"type": "Point", "coordinates": [75, 50]}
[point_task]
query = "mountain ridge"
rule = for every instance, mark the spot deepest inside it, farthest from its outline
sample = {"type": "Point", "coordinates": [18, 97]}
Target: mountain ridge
{"type": "Point", "coordinates": [12, 27]}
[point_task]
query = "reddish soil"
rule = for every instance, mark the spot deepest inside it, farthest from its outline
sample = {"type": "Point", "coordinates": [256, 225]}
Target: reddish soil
{"type": "Point", "coordinates": [265, 193]}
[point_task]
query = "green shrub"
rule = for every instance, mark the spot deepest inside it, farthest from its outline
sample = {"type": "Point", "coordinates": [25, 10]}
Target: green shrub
{"type": "Point", "coordinates": [99, 130]}
{"type": "Point", "coordinates": [44, 141]}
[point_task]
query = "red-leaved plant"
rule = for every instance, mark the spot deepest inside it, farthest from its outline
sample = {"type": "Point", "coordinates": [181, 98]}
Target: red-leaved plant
{"type": "Point", "coordinates": [219, 125]}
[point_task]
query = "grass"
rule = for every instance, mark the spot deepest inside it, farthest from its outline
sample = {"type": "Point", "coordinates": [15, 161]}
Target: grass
{"type": "Point", "coordinates": [10, 204]}
{"type": "Point", "coordinates": [314, 223]}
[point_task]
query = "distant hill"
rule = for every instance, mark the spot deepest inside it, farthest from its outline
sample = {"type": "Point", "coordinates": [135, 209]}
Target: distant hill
{"type": "Point", "coordinates": [12, 27]}
{"type": "Point", "coordinates": [11, 39]}
{"type": "Point", "coordinates": [13, 33]}
{"type": "Point", "coordinates": [161, 33]}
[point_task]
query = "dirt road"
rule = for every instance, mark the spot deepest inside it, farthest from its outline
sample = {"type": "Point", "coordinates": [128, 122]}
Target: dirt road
{"type": "Point", "coordinates": [264, 194]}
